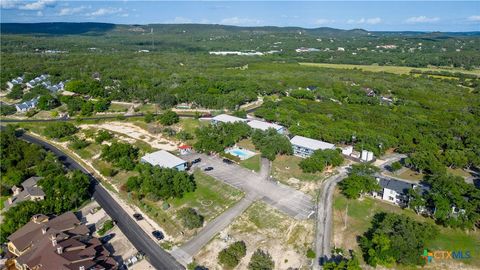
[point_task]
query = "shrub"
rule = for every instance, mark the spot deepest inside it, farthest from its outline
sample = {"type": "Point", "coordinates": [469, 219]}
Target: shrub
{"type": "Point", "coordinates": [231, 256]}
{"type": "Point", "coordinates": [58, 130]}
{"type": "Point", "coordinates": [190, 218]}
{"type": "Point", "coordinates": [261, 260]}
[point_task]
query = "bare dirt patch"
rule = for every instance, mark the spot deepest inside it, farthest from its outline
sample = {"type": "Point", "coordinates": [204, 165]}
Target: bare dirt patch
{"type": "Point", "coordinates": [261, 226]}
{"type": "Point", "coordinates": [137, 133]}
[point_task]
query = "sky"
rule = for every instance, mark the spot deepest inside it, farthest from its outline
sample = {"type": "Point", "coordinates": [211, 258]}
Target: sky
{"type": "Point", "coordinates": [454, 16]}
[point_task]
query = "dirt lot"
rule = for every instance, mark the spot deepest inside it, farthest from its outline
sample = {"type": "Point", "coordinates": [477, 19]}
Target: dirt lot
{"type": "Point", "coordinates": [261, 226]}
{"type": "Point", "coordinates": [135, 132]}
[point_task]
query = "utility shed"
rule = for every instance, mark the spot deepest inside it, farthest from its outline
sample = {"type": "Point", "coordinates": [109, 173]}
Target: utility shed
{"type": "Point", "coordinates": [164, 159]}
{"type": "Point", "coordinates": [304, 147]}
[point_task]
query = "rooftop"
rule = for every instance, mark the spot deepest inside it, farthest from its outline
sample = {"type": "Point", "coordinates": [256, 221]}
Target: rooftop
{"type": "Point", "coordinates": [401, 187]}
{"type": "Point", "coordinates": [263, 125]}
{"type": "Point", "coordinates": [163, 158]}
{"type": "Point", "coordinates": [311, 143]}
{"type": "Point", "coordinates": [225, 118]}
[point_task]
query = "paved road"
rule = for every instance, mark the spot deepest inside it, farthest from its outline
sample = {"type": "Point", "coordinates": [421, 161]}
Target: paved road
{"type": "Point", "coordinates": [185, 253]}
{"type": "Point", "coordinates": [159, 258]}
{"type": "Point", "coordinates": [286, 199]}
{"type": "Point", "coordinates": [324, 218]}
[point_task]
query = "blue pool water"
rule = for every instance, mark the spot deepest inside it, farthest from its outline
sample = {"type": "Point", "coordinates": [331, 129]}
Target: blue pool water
{"type": "Point", "coordinates": [241, 153]}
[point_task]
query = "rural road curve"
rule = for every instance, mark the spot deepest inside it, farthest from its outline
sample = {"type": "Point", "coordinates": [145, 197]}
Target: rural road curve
{"type": "Point", "coordinates": [158, 257]}
{"type": "Point", "coordinates": [324, 218]}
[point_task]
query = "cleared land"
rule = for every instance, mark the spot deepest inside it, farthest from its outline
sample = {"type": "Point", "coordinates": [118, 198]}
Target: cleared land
{"type": "Point", "coordinates": [261, 226]}
{"type": "Point", "coordinates": [360, 213]}
{"type": "Point", "coordinates": [389, 69]}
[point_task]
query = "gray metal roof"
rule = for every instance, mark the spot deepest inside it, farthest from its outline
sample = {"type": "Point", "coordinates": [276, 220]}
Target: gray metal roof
{"type": "Point", "coordinates": [311, 143]}
{"type": "Point", "coordinates": [225, 118]}
{"type": "Point", "coordinates": [262, 125]}
{"type": "Point", "coordinates": [163, 159]}
{"type": "Point", "coordinates": [399, 186]}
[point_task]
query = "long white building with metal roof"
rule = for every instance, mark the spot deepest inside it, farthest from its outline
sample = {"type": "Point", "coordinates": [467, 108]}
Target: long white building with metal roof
{"type": "Point", "coordinates": [304, 147]}
{"type": "Point", "coordinates": [164, 159]}
{"type": "Point", "coordinates": [262, 125]}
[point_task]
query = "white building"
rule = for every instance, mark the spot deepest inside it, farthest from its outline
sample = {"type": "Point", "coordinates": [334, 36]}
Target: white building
{"type": "Point", "coordinates": [164, 159]}
{"type": "Point", "coordinates": [27, 105]}
{"type": "Point", "coordinates": [225, 118]}
{"type": "Point", "coordinates": [347, 150]}
{"type": "Point", "coordinates": [396, 191]}
{"type": "Point", "coordinates": [304, 147]}
{"type": "Point", "coordinates": [262, 125]}
{"type": "Point", "coordinates": [366, 156]}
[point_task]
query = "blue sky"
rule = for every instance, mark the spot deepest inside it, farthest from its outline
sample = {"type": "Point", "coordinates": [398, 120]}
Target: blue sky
{"type": "Point", "coordinates": [384, 15]}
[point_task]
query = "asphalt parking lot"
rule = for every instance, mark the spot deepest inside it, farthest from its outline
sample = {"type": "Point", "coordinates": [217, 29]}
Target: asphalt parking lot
{"type": "Point", "coordinates": [286, 199]}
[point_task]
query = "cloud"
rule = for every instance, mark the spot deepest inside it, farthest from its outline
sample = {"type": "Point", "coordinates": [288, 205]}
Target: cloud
{"type": "Point", "coordinates": [323, 21]}
{"type": "Point", "coordinates": [104, 11]}
{"type": "Point", "coordinates": [422, 19]}
{"type": "Point", "coordinates": [39, 13]}
{"type": "Point", "coordinates": [239, 21]}
{"type": "Point", "coordinates": [371, 21]}
{"type": "Point", "coordinates": [474, 18]}
{"type": "Point", "coordinates": [70, 11]}
{"type": "Point", "coordinates": [38, 5]}
{"type": "Point", "coordinates": [9, 4]}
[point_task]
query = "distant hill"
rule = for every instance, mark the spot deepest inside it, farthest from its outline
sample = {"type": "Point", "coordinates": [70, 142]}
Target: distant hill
{"type": "Point", "coordinates": [55, 28]}
{"type": "Point", "coordinates": [63, 28]}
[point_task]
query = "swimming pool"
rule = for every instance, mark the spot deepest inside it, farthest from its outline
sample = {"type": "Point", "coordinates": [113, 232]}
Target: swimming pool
{"type": "Point", "coordinates": [241, 153]}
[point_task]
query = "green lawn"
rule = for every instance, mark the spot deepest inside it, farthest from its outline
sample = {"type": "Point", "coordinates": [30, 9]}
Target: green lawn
{"type": "Point", "coordinates": [389, 69]}
{"type": "Point", "coordinates": [361, 212]}
{"type": "Point", "coordinates": [285, 167]}
{"type": "Point", "coordinates": [210, 198]}
{"type": "Point", "coordinates": [2, 201]}
{"type": "Point", "coordinates": [252, 163]}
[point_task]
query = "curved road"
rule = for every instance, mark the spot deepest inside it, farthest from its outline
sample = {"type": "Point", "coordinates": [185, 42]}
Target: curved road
{"type": "Point", "coordinates": [159, 258]}
{"type": "Point", "coordinates": [324, 218]}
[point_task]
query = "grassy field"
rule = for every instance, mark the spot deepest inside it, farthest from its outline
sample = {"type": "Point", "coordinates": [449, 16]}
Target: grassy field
{"type": "Point", "coordinates": [389, 69]}
{"type": "Point", "coordinates": [361, 212]}
{"type": "Point", "coordinates": [285, 167]}
{"type": "Point", "coordinates": [252, 163]}
{"type": "Point", "coordinates": [210, 198]}
{"type": "Point", "coordinates": [410, 175]}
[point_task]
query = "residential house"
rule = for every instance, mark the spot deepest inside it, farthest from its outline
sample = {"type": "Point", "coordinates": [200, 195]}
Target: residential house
{"type": "Point", "coordinates": [396, 191]}
{"type": "Point", "coordinates": [27, 105]}
{"type": "Point", "coordinates": [225, 118]}
{"type": "Point", "coordinates": [29, 191]}
{"type": "Point", "coordinates": [185, 149]}
{"type": "Point", "coordinates": [304, 147]}
{"type": "Point", "coordinates": [57, 242]}
{"type": "Point", "coordinates": [262, 125]}
{"type": "Point", "coordinates": [164, 159]}
{"type": "Point", "coordinates": [367, 156]}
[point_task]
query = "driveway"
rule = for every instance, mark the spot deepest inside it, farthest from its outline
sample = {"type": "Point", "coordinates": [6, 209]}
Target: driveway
{"type": "Point", "coordinates": [286, 199]}
{"type": "Point", "coordinates": [185, 253]}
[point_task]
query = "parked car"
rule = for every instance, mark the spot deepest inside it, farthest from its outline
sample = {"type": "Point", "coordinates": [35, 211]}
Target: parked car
{"type": "Point", "coordinates": [197, 160]}
{"type": "Point", "coordinates": [138, 216]}
{"type": "Point", "coordinates": [208, 169]}
{"type": "Point", "coordinates": [227, 161]}
{"type": "Point", "coordinates": [158, 235]}
{"type": "Point", "coordinates": [107, 238]}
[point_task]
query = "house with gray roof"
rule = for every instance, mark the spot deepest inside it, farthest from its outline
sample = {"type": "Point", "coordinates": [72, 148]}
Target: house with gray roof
{"type": "Point", "coordinates": [27, 105]}
{"type": "Point", "coordinates": [28, 191]}
{"type": "Point", "coordinates": [396, 191]}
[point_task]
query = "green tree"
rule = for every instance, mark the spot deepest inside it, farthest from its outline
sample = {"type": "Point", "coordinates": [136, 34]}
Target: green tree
{"type": "Point", "coordinates": [190, 218]}
{"type": "Point", "coordinates": [149, 117]}
{"type": "Point", "coordinates": [231, 256]}
{"type": "Point", "coordinates": [101, 105]}
{"type": "Point", "coordinates": [7, 109]}
{"type": "Point", "coordinates": [47, 102]}
{"type": "Point", "coordinates": [395, 238]}
{"type": "Point", "coordinates": [396, 166]}
{"type": "Point", "coordinates": [87, 108]}
{"type": "Point", "coordinates": [77, 143]}
{"type": "Point", "coordinates": [103, 135]}
{"type": "Point", "coordinates": [122, 155]}
{"type": "Point", "coordinates": [16, 92]}
{"type": "Point", "coordinates": [58, 130]}
{"type": "Point", "coordinates": [360, 180]}
{"type": "Point", "coordinates": [271, 143]}
{"type": "Point", "coordinates": [215, 138]}
{"type": "Point", "coordinates": [169, 118]}
{"type": "Point", "coordinates": [320, 159]}
{"type": "Point", "coordinates": [261, 260]}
